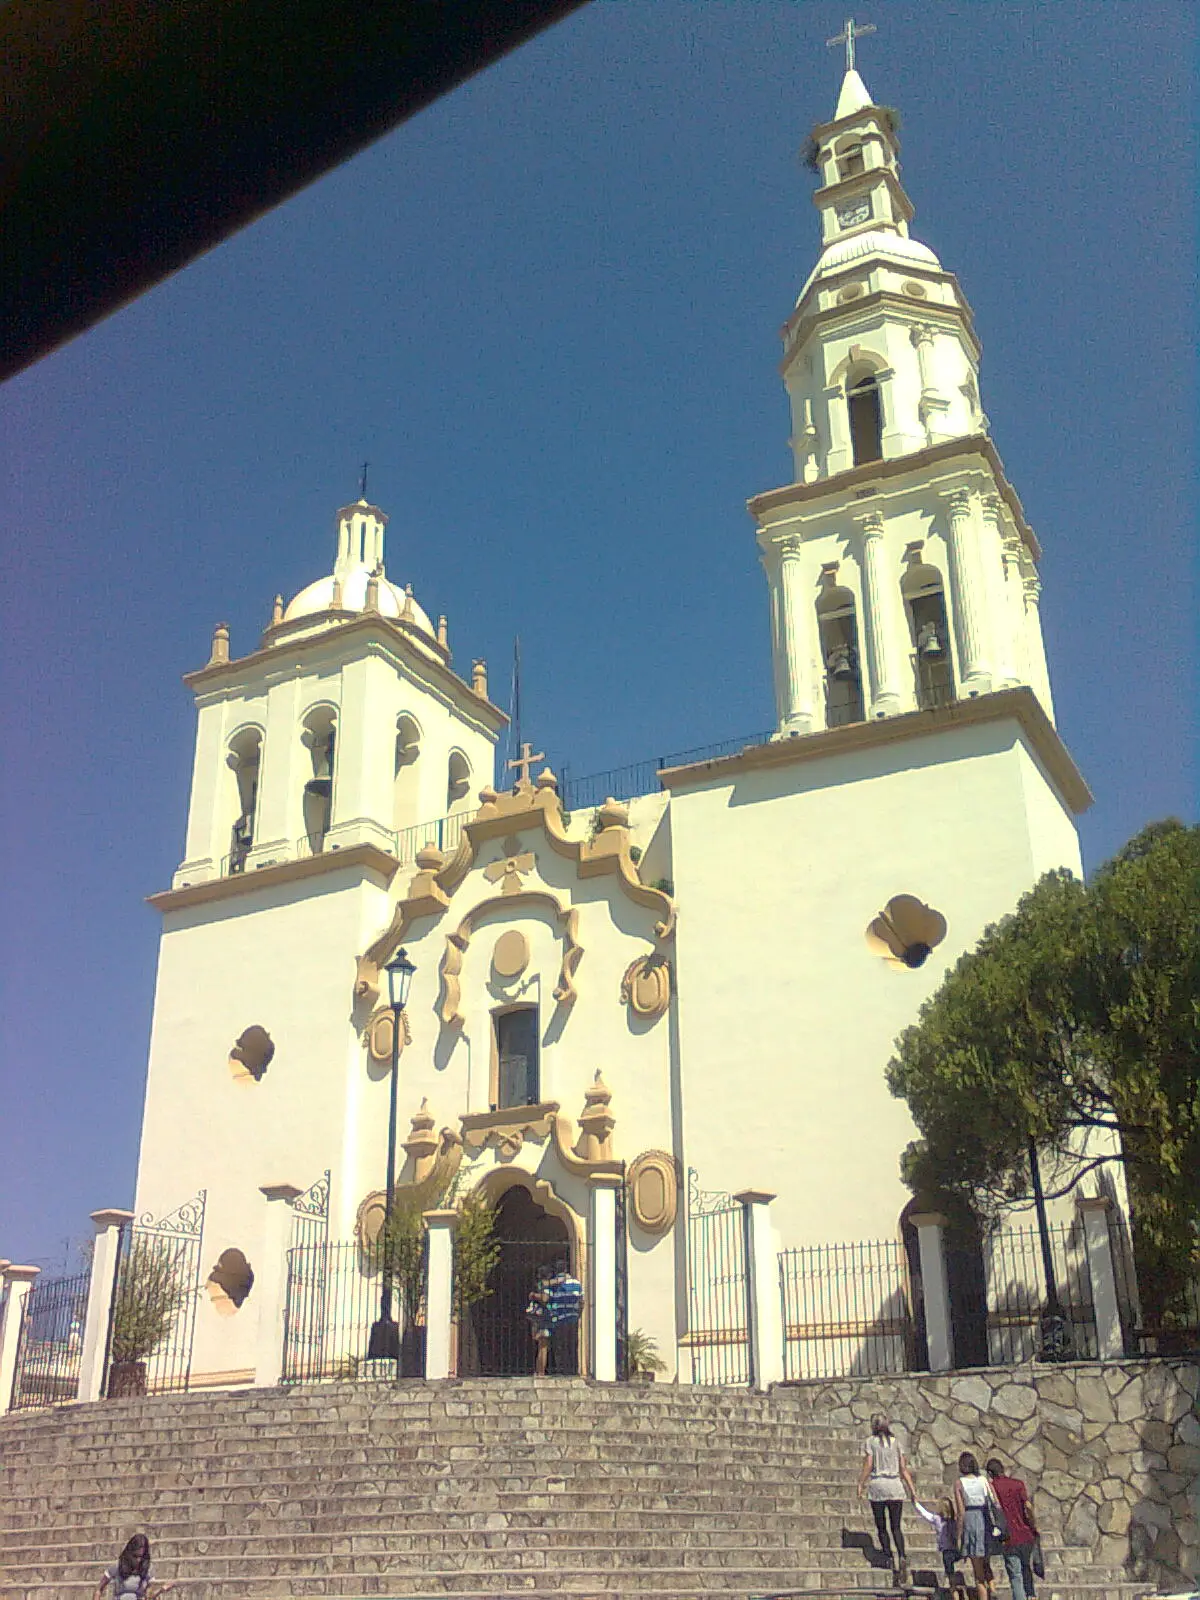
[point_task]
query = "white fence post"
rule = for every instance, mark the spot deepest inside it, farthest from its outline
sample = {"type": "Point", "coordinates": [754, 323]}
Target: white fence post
{"type": "Point", "coordinates": [1106, 1307]}
{"type": "Point", "coordinates": [764, 1305]}
{"type": "Point", "coordinates": [18, 1281]}
{"type": "Point", "coordinates": [939, 1328]}
{"type": "Point", "coordinates": [439, 1291]}
{"type": "Point", "coordinates": [602, 1290]}
{"type": "Point", "coordinates": [106, 1250]}
{"type": "Point", "coordinates": [271, 1282]}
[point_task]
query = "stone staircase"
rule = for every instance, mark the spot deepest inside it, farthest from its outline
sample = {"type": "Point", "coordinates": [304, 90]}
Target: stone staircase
{"type": "Point", "coordinates": [475, 1489]}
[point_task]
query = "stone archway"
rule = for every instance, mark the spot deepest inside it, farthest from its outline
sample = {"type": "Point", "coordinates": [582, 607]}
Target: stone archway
{"type": "Point", "coordinates": [495, 1340]}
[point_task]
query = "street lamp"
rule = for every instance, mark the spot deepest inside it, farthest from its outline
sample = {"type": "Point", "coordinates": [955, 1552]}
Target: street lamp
{"type": "Point", "coordinates": [1054, 1333]}
{"type": "Point", "coordinates": [384, 1343]}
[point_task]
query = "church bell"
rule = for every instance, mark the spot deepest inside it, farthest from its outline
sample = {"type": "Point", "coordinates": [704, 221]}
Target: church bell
{"type": "Point", "coordinates": [929, 642]}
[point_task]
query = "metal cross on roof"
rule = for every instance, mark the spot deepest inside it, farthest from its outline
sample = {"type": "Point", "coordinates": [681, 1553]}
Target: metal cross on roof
{"type": "Point", "coordinates": [850, 32]}
{"type": "Point", "coordinates": [526, 760]}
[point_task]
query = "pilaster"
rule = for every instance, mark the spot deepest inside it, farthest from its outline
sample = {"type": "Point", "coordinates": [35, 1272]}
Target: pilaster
{"type": "Point", "coordinates": [968, 593]}
{"type": "Point", "coordinates": [285, 767]}
{"type": "Point", "coordinates": [1106, 1305]}
{"type": "Point", "coordinates": [882, 623]}
{"type": "Point", "coordinates": [439, 1292]}
{"type": "Point", "coordinates": [106, 1254]}
{"type": "Point", "coordinates": [602, 1195]}
{"type": "Point", "coordinates": [17, 1282]}
{"type": "Point", "coordinates": [797, 627]}
{"type": "Point", "coordinates": [270, 1282]}
{"type": "Point", "coordinates": [933, 406]}
{"type": "Point", "coordinates": [939, 1327]}
{"type": "Point", "coordinates": [1035, 645]}
{"type": "Point", "coordinates": [765, 1306]}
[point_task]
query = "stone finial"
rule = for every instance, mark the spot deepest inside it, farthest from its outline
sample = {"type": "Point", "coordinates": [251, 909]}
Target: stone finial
{"type": "Point", "coordinates": [422, 1144]}
{"type": "Point", "coordinates": [336, 603]}
{"type": "Point", "coordinates": [372, 602]}
{"type": "Point", "coordinates": [612, 814]}
{"type": "Point", "coordinates": [220, 645]}
{"type": "Point", "coordinates": [596, 1123]}
{"type": "Point", "coordinates": [479, 678]}
{"type": "Point", "coordinates": [442, 634]}
{"type": "Point", "coordinates": [429, 858]}
{"type": "Point", "coordinates": [277, 611]}
{"type": "Point", "coordinates": [547, 780]}
{"type": "Point", "coordinates": [408, 614]}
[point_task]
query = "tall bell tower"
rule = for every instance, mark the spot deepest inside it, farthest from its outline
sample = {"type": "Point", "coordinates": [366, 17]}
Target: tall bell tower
{"type": "Point", "coordinates": [901, 567]}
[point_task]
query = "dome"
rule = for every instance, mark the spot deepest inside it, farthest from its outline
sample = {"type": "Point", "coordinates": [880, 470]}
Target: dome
{"type": "Point", "coordinates": [318, 597]}
{"type": "Point", "coordinates": [892, 246]}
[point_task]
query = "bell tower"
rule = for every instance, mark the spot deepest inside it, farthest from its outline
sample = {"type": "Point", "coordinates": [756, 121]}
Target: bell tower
{"type": "Point", "coordinates": [902, 570]}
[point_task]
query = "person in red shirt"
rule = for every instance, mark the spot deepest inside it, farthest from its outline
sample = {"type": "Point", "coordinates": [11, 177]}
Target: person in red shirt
{"type": "Point", "coordinates": [1022, 1529]}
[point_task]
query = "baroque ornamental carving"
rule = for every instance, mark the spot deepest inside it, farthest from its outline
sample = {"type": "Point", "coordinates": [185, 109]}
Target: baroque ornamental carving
{"type": "Point", "coordinates": [378, 1034]}
{"type": "Point", "coordinates": [646, 987]}
{"type": "Point", "coordinates": [906, 931]}
{"type": "Point", "coordinates": [653, 1185]}
{"type": "Point", "coordinates": [254, 1050]}
{"type": "Point", "coordinates": [458, 941]}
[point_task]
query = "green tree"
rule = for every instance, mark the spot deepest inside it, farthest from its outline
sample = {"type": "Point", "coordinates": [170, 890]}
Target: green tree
{"type": "Point", "coordinates": [151, 1289]}
{"type": "Point", "coordinates": [1077, 1014]}
{"type": "Point", "coordinates": [401, 1242]}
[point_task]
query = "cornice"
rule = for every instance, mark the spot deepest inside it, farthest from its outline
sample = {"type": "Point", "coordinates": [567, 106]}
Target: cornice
{"type": "Point", "coordinates": [1020, 705]}
{"type": "Point", "coordinates": [386, 632]}
{"type": "Point", "coordinates": [367, 857]}
{"type": "Point", "coordinates": [862, 183]}
{"type": "Point", "coordinates": [845, 484]}
{"type": "Point", "coordinates": [920, 310]}
{"type": "Point", "coordinates": [861, 115]}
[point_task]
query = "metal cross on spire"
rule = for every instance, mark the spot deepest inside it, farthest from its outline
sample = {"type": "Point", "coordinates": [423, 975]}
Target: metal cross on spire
{"type": "Point", "coordinates": [362, 486]}
{"type": "Point", "coordinates": [850, 32]}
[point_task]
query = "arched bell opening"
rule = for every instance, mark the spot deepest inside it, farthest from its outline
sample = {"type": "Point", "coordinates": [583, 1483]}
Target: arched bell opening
{"type": "Point", "coordinates": [319, 737]}
{"type": "Point", "coordinates": [406, 772]}
{"type": "Point", "coordinates": [925, 603]}
{"type": "Point", "coordinates": [535, 1239]}
{"type": "Point", "coordinates": [458, 783]}
{"type": "Point", "coordinates": [838, 628]}
{"type": "Point", "coordinates": [866, 416]}
{"type": "Point", "coordinates": [244, 760]}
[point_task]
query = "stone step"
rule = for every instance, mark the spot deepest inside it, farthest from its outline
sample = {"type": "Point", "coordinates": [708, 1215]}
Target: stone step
{"type": "Point", "coordinates": [664, 1584]}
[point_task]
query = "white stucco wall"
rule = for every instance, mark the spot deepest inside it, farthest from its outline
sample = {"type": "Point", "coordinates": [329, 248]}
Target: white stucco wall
{"type": "Point", "coordinates": [787, 1018]}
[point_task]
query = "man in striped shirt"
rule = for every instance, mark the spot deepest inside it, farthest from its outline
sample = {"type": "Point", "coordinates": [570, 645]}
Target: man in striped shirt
{"type": "Point", "coordinates": [564, 1303]}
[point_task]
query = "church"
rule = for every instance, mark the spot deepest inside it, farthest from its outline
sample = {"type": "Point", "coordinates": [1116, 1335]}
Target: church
{"type": "Point", "coordinates": [625, 1010]}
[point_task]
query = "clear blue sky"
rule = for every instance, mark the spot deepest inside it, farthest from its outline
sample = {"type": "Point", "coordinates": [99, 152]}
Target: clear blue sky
{"type": "Point", "coordinates": [547, 312]}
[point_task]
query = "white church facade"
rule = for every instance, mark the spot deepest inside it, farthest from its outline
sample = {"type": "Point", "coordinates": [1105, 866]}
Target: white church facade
{"type": "Point", "coordinates": [707, 978]}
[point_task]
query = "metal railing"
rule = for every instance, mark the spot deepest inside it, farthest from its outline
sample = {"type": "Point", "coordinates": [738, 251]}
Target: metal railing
{"type": "Point", "coordinates": [51, 1343]}
{"type": "Point", "coordinates": [333, 1297]}
{"type": "Point", "coordinates": [718, 1337]}
{"type": "Point", "coordinates": [1016, 1293]}
{"type": "Point", "coordinates": [641, 777]}
{"type": "Point", "coordinates": [846, 1310]}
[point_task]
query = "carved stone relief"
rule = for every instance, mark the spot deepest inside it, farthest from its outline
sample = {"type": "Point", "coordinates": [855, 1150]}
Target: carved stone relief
{"type": "Point", "coordinates": [379, 1034]}
{"type": "Point", "coordinates": [646, 986]}
{"type": "Point", "coordinates": [653, 1184]}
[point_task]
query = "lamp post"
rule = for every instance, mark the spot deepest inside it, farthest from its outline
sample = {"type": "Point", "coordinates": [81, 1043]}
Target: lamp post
{"type": "Point", "coordinates": [384, 1343]}
{"type": "Point", "coordinates": [1054, 1335]}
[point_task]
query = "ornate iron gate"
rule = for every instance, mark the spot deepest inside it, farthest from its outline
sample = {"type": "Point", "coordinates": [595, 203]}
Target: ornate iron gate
{"type": "Point", "coordinates": [153, 1316]}
{"type": "Point", "coordinates": [718, 1287]}
{"type": "Point", "coordinates": [51, 1343]}
{"type": "Point", "coordinates": [310, 1213]}
{"type": "Point", "coordinates": [495, 1339]}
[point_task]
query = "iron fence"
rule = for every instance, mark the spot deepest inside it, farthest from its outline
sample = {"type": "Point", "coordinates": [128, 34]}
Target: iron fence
{"type": "Point", "coordinates": [641, 777]}
{"type": "Point", "coordinates": [444, 832]}
{"type": "Point", "coordinates": [1148, 1329]}
{"type": "Point", "coordinates": [156, 1291]}
{"type": "Point", "coordinates": [50, 1346]}
{"type": "Point", "coordinates": [1016, 1298]}
{"type": "Point", "coordinates": [718, 1335]}
{"type": "Point", "coordinates": [847, 1310]}
{"type": "Point", "coordinates": [333, 1297]}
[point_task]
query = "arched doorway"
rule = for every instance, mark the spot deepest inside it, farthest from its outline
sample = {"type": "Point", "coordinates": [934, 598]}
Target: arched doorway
{"type": "Point", "coordinates": [495, 1341]}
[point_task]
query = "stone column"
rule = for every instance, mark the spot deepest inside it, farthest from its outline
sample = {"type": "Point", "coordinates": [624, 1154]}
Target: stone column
{"type": "Point", "coordinates": [602, 1290]}
{"type": "Point", "coordinates": [939, 1329]}
{"type": "Point", "coordinates": [932, 405]}
{"type": "Point", "coordinates": [890, 690]}
{"type": "Point", "coordinates": [969, 596]}
{"type": "Point", "coordinates": [1035, 645]}
{"type": "Point", "coordinates": [17, 1281]}
{"type": "Point", "coordinates": [1106, 1305]}
{"type": "Point", "coordinates": [999, 586]}
{"type": "Point", "coordinates": [770, 565]}
{"type": "Point", "coordinates": [764, 1304]}
{"type": "Point", "coordinates": [796, 643]}
{"type": "Point", "coordinates": [106, 1252]}
{"type": "Point", "coordinates": [439, 1292]}
{"type": "Point", "coordinates": [271, 1282]}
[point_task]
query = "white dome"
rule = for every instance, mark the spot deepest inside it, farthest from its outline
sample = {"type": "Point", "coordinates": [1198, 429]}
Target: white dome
{"type": "Point", "coordinates": [318, 597]}
{"type": "Point", "coordinates": [875, 242]}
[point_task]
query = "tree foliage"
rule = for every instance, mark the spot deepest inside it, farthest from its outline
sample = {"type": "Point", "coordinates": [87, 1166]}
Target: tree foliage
{"type": "Point", "coordinates": [1075, 1020]}
{"type": "Point", "coordinates": [151, 1289]}
{"type": "Point", "coordinates": [401, 1244]}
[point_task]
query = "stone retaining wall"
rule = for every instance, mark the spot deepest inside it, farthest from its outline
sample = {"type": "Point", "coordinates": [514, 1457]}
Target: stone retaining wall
{"type": "Point", "coordinates": [1110, 1450]}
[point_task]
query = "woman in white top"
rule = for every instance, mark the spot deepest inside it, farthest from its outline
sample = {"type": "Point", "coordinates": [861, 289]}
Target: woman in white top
{"type": "Point", "coordinates": [884, 1478]}
{"type": "Point", "coordinates": [972, 1508]}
